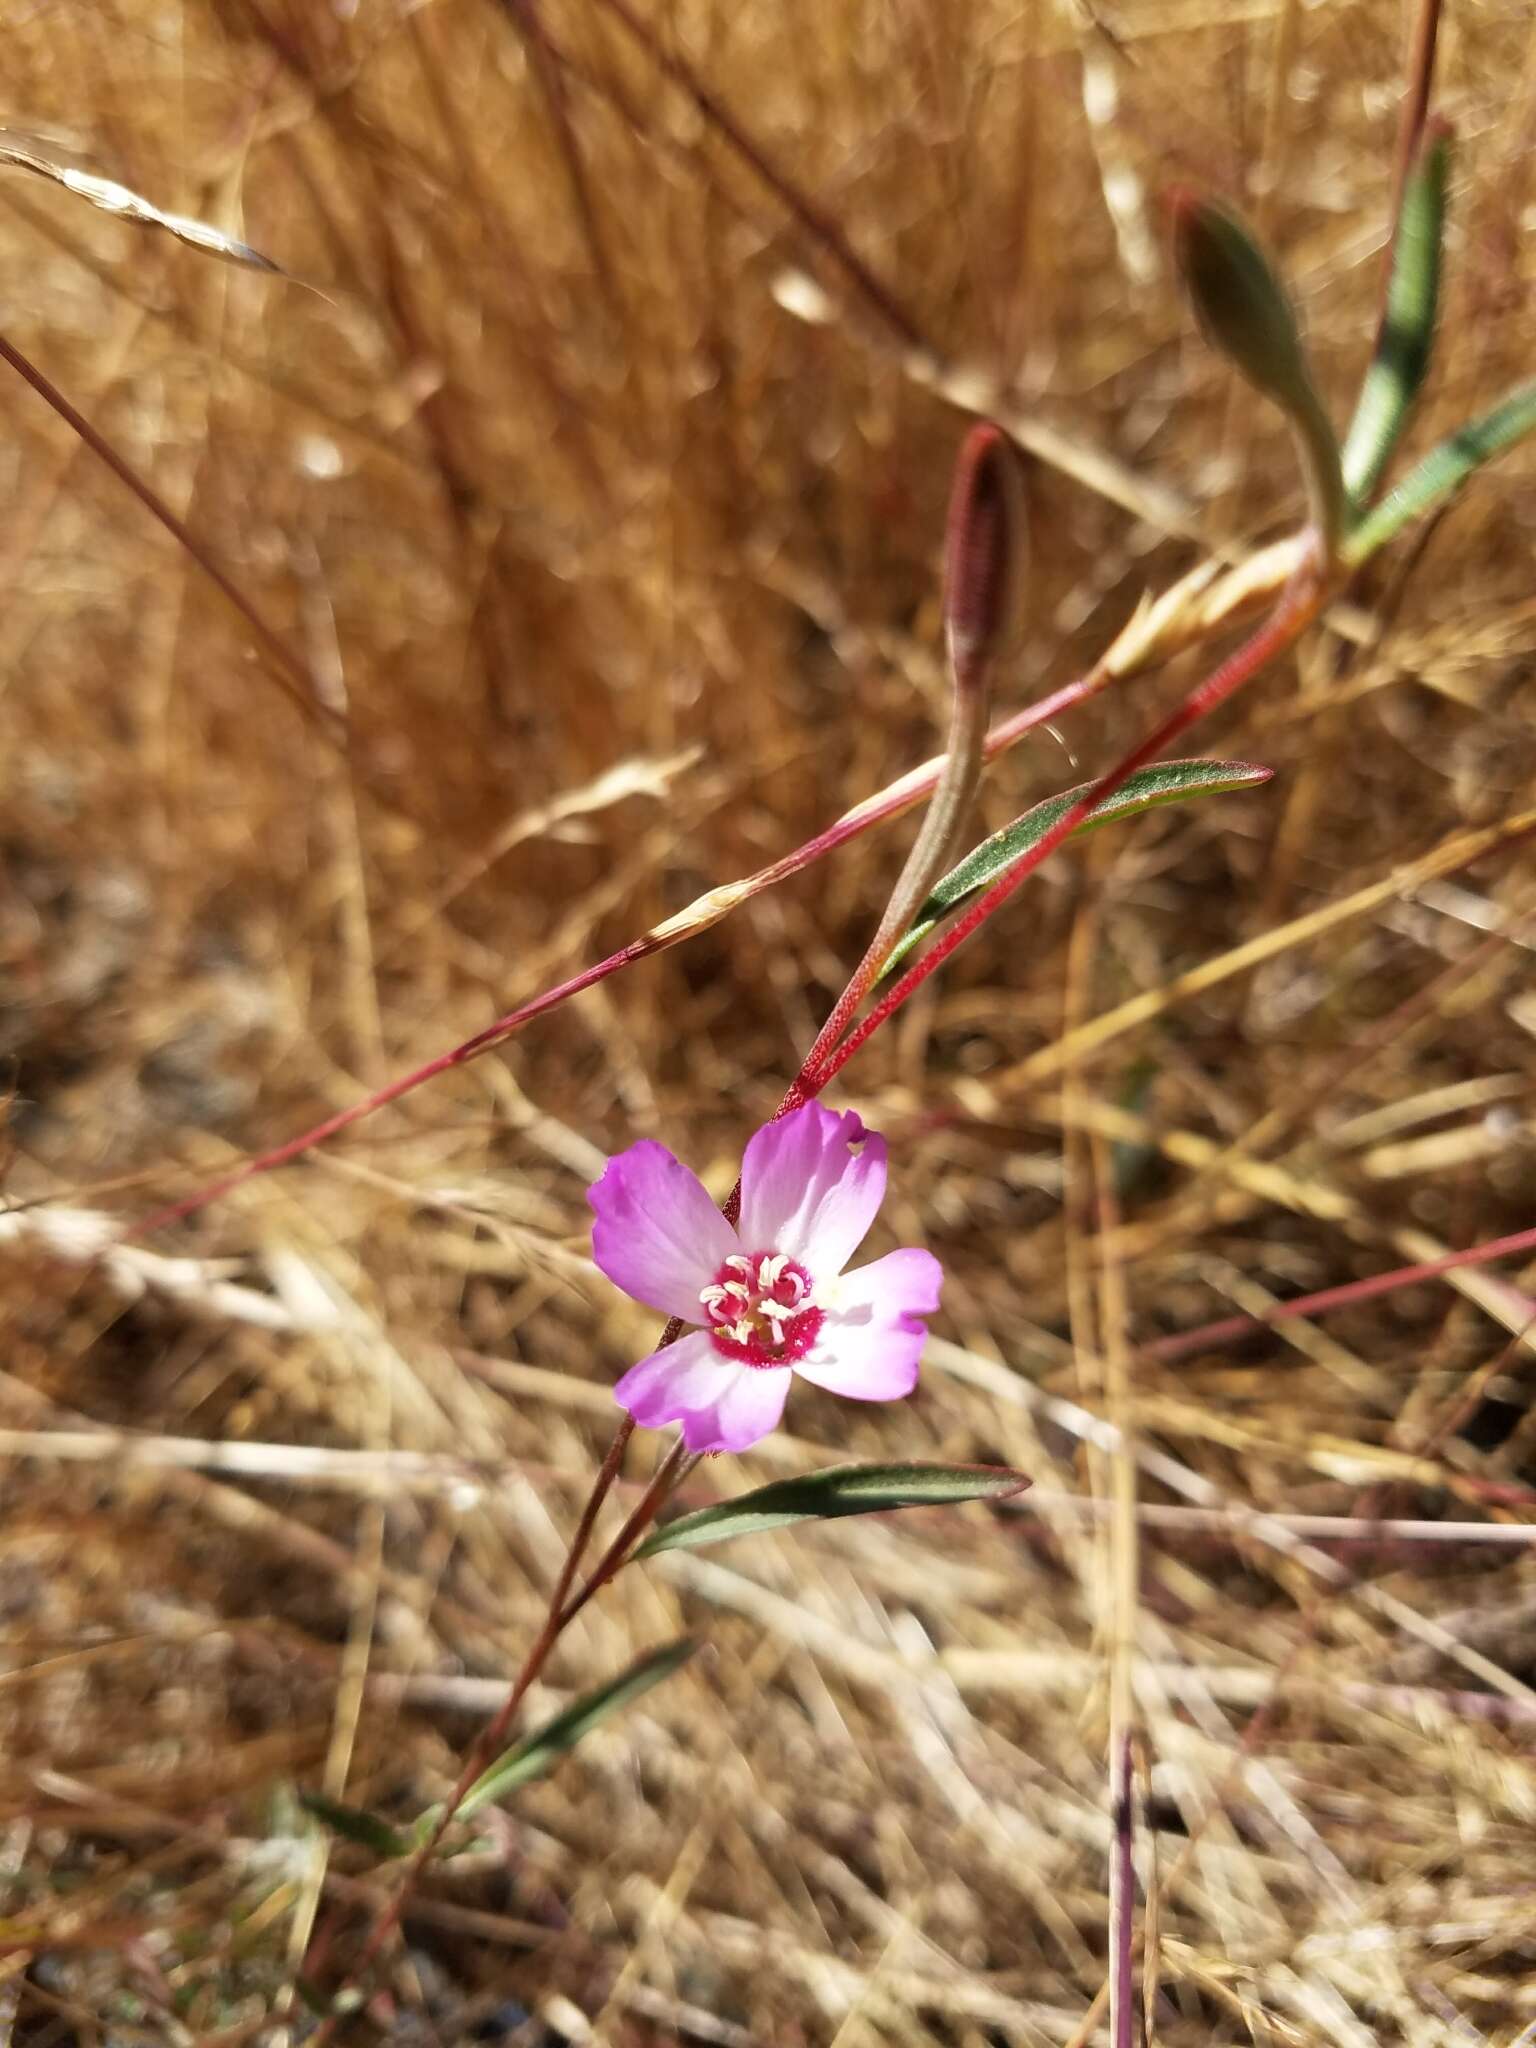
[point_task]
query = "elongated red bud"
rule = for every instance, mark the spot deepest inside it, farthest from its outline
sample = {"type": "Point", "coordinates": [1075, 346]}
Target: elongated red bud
{"type": "Point", "coordinates": [984, 551]}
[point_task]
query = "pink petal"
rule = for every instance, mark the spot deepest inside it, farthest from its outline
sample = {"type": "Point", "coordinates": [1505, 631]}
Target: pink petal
{"type": "Point", "coordinates": [752, 1407]}
{"type": "Point", "coordinates": [806, 1192]}
{"type": "Point", "coordinates": [722, 1406]}
{"type": "Point", "coordinates": [873, 1336]}
{"type": "Point", "coordinates": [658, 1235]}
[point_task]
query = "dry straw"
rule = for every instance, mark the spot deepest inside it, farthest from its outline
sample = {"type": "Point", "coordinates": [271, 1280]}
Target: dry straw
{"type": "Point", "coordinates": [594, 506]}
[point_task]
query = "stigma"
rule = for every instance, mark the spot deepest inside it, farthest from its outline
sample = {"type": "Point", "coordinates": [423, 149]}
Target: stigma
{"type": "Point", "coordinates": [758, 1309]}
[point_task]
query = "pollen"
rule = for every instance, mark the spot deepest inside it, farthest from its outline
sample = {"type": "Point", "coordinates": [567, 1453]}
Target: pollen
{"type": "Point", "coordinates": [758, 1309]}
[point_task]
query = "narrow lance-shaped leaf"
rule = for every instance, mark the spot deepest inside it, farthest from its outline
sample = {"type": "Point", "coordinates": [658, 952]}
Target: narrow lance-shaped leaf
{"type": "Point", "coordinates": [1244, 313]}
{"type": "Point", "coordinates": [356, 1824]}
{"type": "Point", "coordinates": [1407, 334]}
{"type": "Point", "coordinates": [1166, 782]}
{"type": "Point", "coordinates": [839, 1490]}
{"type": "Point", "coordinates": [1444, 470]}
{"type": "Point", "coordinates": [532, 1757]}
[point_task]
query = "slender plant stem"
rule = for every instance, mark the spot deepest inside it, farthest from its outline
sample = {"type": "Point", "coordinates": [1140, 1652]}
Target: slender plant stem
{"type": "Point", "coordinates": [1183, 1342]}
{"type": "Point", "coordinates": [670, 1474]}
{"type": "Point", "coordinates": [561, 1612]}
{"type": "Point", "coordinates": [818, 223]}
{"type": "Point", "coordinates": [900, 796]}
{"type": "Point", "coordinates": [1122, 1890]}
{"type": "Point", "coordinates": [494, 1733]}
{"type": "Point", "coordinates": [1124, 1571]}
{"type": "Point", "coordinates": [480, 1753]}
{"type": "Point", "coordinates": [1299, 604]}
{"type": "Point", "coordinates": [291, 674]}
{"type": "Point", "coordinates": [943, 819]}
{"type": "Point", "coordinates": [601, 1488]}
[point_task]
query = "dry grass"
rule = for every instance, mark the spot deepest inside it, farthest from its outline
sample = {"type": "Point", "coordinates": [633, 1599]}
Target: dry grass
{"type": "Point", "coordinates": [546, 481]}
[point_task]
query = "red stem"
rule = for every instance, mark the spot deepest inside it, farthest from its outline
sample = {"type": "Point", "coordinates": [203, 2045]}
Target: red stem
{"type": "Point", "coordinates": [889, 803]}
{"type": "Point", "coordinates": [1299, 604]}
{"type": "Point", "coordinates": [1345, 1296]}
{"type": "Point", "coordinates": [672, 1470]}
{"type": "Point", "coordinates": [291, 674]}
{"type": "Point", "coordinates": [494, 1733]}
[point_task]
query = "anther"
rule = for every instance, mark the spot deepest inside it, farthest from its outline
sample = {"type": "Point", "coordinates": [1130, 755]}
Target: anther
{"type": "Point", "coordinates": [758, 1309]}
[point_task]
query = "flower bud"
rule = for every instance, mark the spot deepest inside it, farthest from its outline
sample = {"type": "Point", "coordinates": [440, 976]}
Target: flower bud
{"type": "Point", "coordinates": [984, 547]}
{"type": "Point", "coordinates": [1244, 313]}
{"type": "Point", "coordinates": [1240, 303]}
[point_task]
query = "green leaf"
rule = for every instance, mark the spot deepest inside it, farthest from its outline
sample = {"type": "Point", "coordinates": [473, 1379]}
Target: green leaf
{"type": "Point", "coordinates": [1407, 333]}
{"type": "Point", "coordinates": [424, 1826]}
{"type": "Point", "coordinates": [355, 1824]}
{"type": "Point", "coordinates": [1444, 470]}
{"type": "Point", "coordinates": [1166, 782]}
{"type": "Point", "coordinates": [1244, 313]}
{"type": "Point", "coordinates": [839, 1490]}
{"type": "Point", "coordinates": [532, 1757]}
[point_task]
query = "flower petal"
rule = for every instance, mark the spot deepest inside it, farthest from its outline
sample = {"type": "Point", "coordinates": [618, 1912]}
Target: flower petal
{"type": "Point", "coordinates": [722, 1406]}
{"type": "Point", "coordinates": [752, 1406]}
{"type": "Point", "coordinates": [805, 1191]}
{"type": "Point", "coordinates": [680, 1381]}
{"type": "Point", "coordinates": [873, 1336]}
{"type": "Point", "coordinates": [658, 1235]}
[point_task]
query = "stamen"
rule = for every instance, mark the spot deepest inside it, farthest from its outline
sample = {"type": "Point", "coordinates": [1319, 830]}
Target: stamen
{"type": "Point", "coordinates": [758, 1309]}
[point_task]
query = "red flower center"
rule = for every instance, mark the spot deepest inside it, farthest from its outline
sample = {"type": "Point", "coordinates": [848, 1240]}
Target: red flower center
{"type": "Point", "coordinates": [758, 1309]}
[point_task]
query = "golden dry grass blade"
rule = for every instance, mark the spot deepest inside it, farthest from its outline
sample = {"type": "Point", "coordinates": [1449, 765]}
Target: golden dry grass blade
{"type": "Point", "coordinates": [613, 504]}
{"type": "Point", "coordinates": [36, 153]}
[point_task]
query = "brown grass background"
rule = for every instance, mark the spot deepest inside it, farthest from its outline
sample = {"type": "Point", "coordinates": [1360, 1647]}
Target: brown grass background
{"type": "Point", "coordinates": [624, 576]}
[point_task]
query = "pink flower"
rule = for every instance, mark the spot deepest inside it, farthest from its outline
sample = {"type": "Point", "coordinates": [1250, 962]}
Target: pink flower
{"type": "Point", "coordinates": [770, 1296]}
